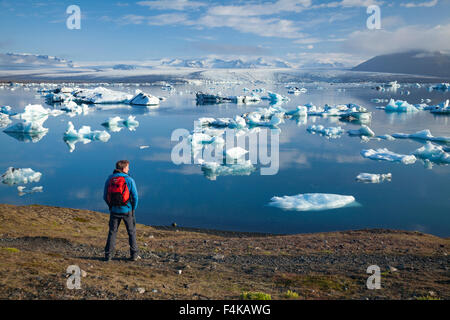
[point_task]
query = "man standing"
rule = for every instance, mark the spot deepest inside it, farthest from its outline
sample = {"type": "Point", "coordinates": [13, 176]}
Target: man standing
{"type": "Point", "coordinates": [122, 198]}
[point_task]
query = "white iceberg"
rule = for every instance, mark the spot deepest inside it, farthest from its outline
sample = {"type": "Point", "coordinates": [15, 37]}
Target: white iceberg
{"type": "Point", "coordinates": [144, 99]}
{"type": "Point", "coordinates": [300, 111]}
{"type": "Point", "coordinates": [275, 97]}
{"type": "Point", "coordinates": [386, 137]}
{"type": "Point", "coordinates": [236, 153]}
{"type": "Point", "coordinates": [433, 153]}
{"type": "Point", "coordinates": [442, 108]}
{"type": "Point", "coordinates": [101, 95]}
{"type": "Point", "coordinates": [373, 178]}
{"type": "Point", "coordinates": [84, 135]}
{"type": "Point", "coordinates": [237, 123]}
{"type": "Point", "coordinates": [386, 155]}
{"type": "Point", "coordinates": [36, 112]}
{"type": "Point", "coordinates": [422, 135]}
{"type": "Point", "coordinates": [331, 132]}
{"type": "Point", "coordinates": [22, 190]}
{"type": "Point", "coordinates": [199, 138]}
{"type": "Point", "coordinates": [14, 176]}
{"type": "Point", "coordinates": [212, 170]}
{"type": "Point", "coordinates": [363, 131]}
{"type": "Point", "coordinates": [115, 124]}
{"type": "Point", "coordinates": [400, 106]}
{"type": "Point", "coordinates": [4, 120]}
{"type": "Point", "coordinates": [34, 127]}
{"type": "Point", "coordinates": [74, 109]}
{"type": "Point", "coordinates": [258, 120]}
{"type": "Point", "coordinates": [312, 202]}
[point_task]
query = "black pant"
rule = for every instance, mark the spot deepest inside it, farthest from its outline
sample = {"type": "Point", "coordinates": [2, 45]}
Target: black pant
{"type": "Point", "coordinates": [130, 224]}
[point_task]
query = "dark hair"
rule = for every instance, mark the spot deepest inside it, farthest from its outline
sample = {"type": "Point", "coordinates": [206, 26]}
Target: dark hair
{"type": "Point", "coordinates": [122, 164]}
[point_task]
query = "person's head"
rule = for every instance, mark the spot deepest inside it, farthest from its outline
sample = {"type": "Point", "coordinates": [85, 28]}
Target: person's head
{"type": "Point", "coordinates": [123, 165]}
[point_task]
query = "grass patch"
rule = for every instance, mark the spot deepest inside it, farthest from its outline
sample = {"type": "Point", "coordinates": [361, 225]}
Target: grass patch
{"type": "Point", "coordinates": [428, 298]}
{"type": "Point", "coordinates": [291, 294]}
{"type": "Point", "coordinates": [12, 250]}
{"type": "Point", "coordinates": [255, 296]}
{"type": "Point", "coordinates": [78, 219]}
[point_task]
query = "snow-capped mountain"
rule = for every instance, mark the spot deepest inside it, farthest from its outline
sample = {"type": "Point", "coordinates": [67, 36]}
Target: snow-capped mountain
{"type": "Point", "coordinates": [27, 60]}
{"type": "Point", "coordinates": [216, 63]}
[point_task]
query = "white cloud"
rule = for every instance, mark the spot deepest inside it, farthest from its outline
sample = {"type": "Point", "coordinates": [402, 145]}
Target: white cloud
{"type": "Point", "coordinates": [403, 39]}
{"type": "Point", "coordinates": [427, 4]}
{"type": "Point", "coordinates": [158, 20]}
{"type": "Point", "coordinates": [262, 9]}
{"type": "Point", "coordinates": [179, 5]}
{"type": "Point", "coordinates": [349, 4]}
{"type": "Point", "coordinates": [263, 27]}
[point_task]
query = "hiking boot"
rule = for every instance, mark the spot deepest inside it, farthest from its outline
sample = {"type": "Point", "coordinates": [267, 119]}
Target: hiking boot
{"type": "Point", "coordinates": [135, 257]}
{"type": "Point", "coordinates": [107, 258]}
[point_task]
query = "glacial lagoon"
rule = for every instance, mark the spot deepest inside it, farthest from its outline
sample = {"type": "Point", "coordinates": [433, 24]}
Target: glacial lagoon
{"type": "Point", "coordinates": [415, 198]}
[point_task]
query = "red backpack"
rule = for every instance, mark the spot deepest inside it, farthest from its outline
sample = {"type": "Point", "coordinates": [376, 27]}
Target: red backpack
{"type": "Point", "coordinates": [118, 193]}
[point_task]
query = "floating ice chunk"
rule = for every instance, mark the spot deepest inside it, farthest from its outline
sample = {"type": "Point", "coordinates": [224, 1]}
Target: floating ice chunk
{"type": "Point", "coordinates": [400, 106]}
{"type": "Point", "coordinates": [252, 98]}
{"type": "Point", "coordinates": [36, 112]}
{"type": "Point", "coordinates": [84, 135]}
{"type": "Point", "coordinates": [14, 176]}
{"type": "Point", "coordinates": [5, 110]}
{"type": "Point", "coordinates": [144, 147]}
{"type": "Point", "coordinates": [441, 87]}
{"type": "Point", "coordinates": [297, 91]}
{"type": "Point", "coordinates": [204, 98]}
{"type": "Point", "coordinates": [53, 97]}
{"type": "Point", "coordinates": [300, 111]}
{"type": "Point", "coordinates": [373, 178]}
{"type": "Point", "coordinates": [433, 153]}
{"type": "Point", "coordinates": [275, 97]}
{"type": "Point", "coordinates": [27, 127]}
{"type": "Point", "coordinates": [115, 124]}
{"type": "Point", "coordinates": [386, 137]}
{"type": "Point", "coordinates": [4, 120]}
{"type": "Point", "coordinates": [312, 202]}
{"type": "Point", "coordinates": [363, 131]}
{"type": "Point", "coordinates": [379, 100]}
{"type": "Point", "coordinates": [257, 119]}
{"type": "Point", "coordinates": [144, 99]}
{"type": "Point", "coordinates": [422, 135]}
{"type": "Point", "coordinates": [22, 190]}
{"type": "Point", "coordinates": [442, 108]}
{"type": "Point", "coordinates": [212, 170]}
{"type": "Point", "coordinates": [131, 123]}
{"type": "Point", "coordinates": [101, 95]}
{"type": "Point", "coordinates": [236, 153]}
{"type": "Point", "coordinates": [198, 138]}
{"type": "Point", "coordinates": [74, 109]}
{"type": "Point", "coordinates": [331, 132]}
{"type": "Point", "coordinates": [386, 155]}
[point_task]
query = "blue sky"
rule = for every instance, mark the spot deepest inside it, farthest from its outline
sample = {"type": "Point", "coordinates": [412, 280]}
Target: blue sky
{"type": "Point", "coordinates": [288, 29]}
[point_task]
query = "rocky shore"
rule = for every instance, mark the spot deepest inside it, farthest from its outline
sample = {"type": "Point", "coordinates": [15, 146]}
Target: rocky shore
{"type": "Point", "coordinates": [38, 243]}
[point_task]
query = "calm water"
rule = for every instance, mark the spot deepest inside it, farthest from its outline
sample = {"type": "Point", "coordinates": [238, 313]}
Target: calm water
{"type": "Point", "coordinates": [416, 199]}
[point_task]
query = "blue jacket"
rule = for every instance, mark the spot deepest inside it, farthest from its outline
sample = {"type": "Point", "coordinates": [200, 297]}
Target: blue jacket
{"type": "Point", "coordinates": [132, 204]}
